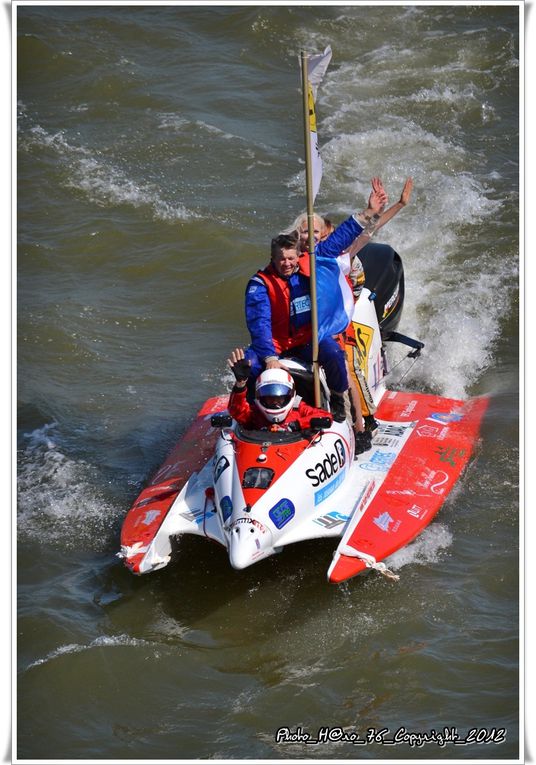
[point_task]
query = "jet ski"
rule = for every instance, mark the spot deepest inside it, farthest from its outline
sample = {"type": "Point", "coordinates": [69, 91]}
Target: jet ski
{"type": "Point", "coordinates": [255, 492]}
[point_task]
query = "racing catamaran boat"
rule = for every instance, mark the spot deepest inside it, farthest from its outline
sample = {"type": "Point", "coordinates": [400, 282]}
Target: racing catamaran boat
{"type": "Point", "coordinates": [254, 492]}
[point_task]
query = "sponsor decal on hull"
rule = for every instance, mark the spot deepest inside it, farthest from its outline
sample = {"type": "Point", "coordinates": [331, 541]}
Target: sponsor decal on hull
{"type": "Point", "coordinates": [215, 405]}
{"type": "Point", "coordinates": [327, 490]}
{"type": "Point", "coordinates": [426, 467]}
{"type": "Point", "coordinates": [379, 461]}
{"type": "Point", "coordinates": [445, 417]}
{"type": "Point", "coordinates": [282, 512]}
{"type": "Point", "coordinates": [417, 512]}
{"type": "Point", "coordinates": [408, 409]}
{"type": "Point", "coordinates": [226, 506]}
{"type": "Point", "coordinates": [450, 455]}
{"type": "Point", "coordinates": [329, 466]}
{"type": "Point", "coordinates": [221, 465]}
{"type": "Point", "coordinates": [383, 521]}
{"type": "Point", "coordinates": [195, 515]}
{"type": "Point", "coordinates": [331, 520]}
{"type": "Point", "coordinates": [150, 516]}
{"type": "Point", "coordinates": [389, 435]}
{"type": "Point", "coordinates": [405, 493]}
{"type": "Point", "coordinates": [427, 431]}
{"type": "Point", "coordinates": [367, 494]}
{"type": "Point", "coordinates": [433, 480]}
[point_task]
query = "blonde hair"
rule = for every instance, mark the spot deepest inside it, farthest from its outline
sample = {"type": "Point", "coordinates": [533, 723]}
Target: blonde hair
{"type": "Point", "coordinates": [301, 222]}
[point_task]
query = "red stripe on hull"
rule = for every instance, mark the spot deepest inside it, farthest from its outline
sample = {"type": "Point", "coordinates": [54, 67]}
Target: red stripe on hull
{"type": "Point", "coordinates": [421, 477]}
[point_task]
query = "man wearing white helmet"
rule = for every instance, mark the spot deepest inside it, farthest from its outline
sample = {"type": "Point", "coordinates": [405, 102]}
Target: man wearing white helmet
{"type": "Point", "coordinates": [276, 406]}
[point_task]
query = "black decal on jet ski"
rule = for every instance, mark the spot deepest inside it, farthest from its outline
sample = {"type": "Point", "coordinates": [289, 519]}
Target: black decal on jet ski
{"type": "Point", "coordinates": [220, 466]}
{"type": "Point", "coordinates": [361, 346]}
{"type": "Point", "coordinates": [340, 451]}
{"type": "Point", "coordinates": [311, 475]}
{"type": "Point", "coordinates": [330, 465]}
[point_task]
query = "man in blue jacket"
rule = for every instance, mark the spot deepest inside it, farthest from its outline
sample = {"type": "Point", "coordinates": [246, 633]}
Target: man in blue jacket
{"type": "Point", "coordinates": [278, 306]}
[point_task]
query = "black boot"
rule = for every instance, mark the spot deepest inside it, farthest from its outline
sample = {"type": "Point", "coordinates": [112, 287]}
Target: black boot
{"type": "Point", "coordinates": [363, 442]}
{"type": "Point", "coordinates": [370, 423]}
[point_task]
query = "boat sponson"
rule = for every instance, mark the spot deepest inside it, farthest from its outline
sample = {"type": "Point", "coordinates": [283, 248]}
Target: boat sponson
{"type": "Point", "coordinates": [416, 486]}
{"type": "Point", "coordinates": [149, 510]}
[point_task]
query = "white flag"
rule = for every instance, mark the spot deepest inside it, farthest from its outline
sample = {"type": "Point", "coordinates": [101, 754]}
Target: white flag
{"type": "Point", "coordinates": [316, 69]}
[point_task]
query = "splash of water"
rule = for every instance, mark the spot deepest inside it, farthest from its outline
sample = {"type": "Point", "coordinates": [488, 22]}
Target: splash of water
{"type": "Point", "coordinates": [59, 498]}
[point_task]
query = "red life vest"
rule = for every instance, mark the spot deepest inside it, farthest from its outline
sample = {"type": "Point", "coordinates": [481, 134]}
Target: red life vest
{"type": "Point", "coordinates": [283, 335]}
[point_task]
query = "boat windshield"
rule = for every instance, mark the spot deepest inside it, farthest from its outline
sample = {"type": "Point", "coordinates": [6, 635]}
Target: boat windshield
{"type": "Point", "coordinates": [271, 436]}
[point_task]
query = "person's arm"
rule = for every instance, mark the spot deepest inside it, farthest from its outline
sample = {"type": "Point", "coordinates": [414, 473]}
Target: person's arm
{"type": "Point", "coordinates": [306, 414]}
{"type": "Point", "coordinates": [374, 225]}
{"type": "Point", "coordinates": [350, 229]}
{"type": "Point", "coordinates": [377, 200]}
{"type": "Point", "coordinates": [405, 196]}
{"type": "Point", "coordinates": [259, 319]}
{"type": "Point", "coordinates": [341, 238]}
{"type": "Point", "coordinates": [239, 407]}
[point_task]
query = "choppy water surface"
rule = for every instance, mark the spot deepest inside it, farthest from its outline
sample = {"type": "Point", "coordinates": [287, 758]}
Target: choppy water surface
{"type": "Point", "coordinates": [159, 149]}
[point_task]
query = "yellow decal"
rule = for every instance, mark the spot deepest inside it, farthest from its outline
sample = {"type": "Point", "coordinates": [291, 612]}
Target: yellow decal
{"type": "Point", "coordinates": [363, 336]}
{"type": "Point", "coordinates": [357, 352]}
{"type": "Point", "coordinates": [312, 115]}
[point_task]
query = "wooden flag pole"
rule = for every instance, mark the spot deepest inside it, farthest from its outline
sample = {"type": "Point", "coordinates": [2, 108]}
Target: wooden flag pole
{"type": "Point", "coordinates": [307, 107]}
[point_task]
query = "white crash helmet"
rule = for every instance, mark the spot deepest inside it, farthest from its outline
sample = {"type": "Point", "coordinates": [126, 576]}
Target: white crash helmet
{"type": "Point", "coordinates": [275, 394]}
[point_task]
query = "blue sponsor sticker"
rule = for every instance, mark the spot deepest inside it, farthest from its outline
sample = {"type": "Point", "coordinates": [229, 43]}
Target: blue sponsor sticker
{"type": "Point", "coordinates": [282, 513]}
{"type": "Point", "coordinates": [301, 304]}
{"type": "Point", "coordinates": [381, 461]}
{"type": "Point", "coordinates": [329, 488]}
{"type": "Point", "coordinates": [383, 521]}
{"type": "Point", "coordinates": [445, 417]}
{"type": "Point", "coordinates": [226, 506]}
{"type": "Point", "coordinates": [150, 516]}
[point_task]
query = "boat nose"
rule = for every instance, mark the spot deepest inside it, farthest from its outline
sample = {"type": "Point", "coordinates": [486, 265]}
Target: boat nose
{"type": "Point", "coordinates": [249, 542]}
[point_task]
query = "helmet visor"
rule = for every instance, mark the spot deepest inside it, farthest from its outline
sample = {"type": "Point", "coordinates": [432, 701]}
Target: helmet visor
{"type": "Point", "coordinates": [274, 403]}
{"type": "Point", "coordinates": [275, 395]}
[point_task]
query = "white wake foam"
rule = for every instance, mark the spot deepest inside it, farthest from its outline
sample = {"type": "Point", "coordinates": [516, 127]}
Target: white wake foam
{"type": "Point", "coordinates": [426, 548]}
{"type": "Point", "coordinates": [102, 181]}
{"type": "Point", "coordinates": [59, 498]}
{"type": "Point", "coordinates": [100, 642]}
